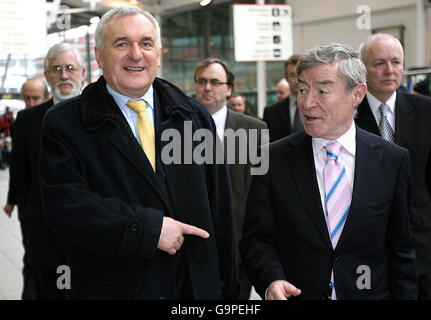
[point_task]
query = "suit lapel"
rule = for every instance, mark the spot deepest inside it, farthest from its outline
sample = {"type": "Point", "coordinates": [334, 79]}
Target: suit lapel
{"type": "Point", "coordinates": [367, 161]}
{"type": "Point", "coordinates": [284, 114]}
{"type": "Point", "coordinates": [403, 118]}
{"type": "Point", "coordinates": [365, 118]}
{"type": "Point", "coordinates": [231, 122]}
{"type": "Point", "coordinates": [124, 140]}
{"type": "Point", "coordinates": [301, 164]}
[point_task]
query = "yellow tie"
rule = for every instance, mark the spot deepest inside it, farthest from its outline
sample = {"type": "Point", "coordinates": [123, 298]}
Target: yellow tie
{"type": "Point", "coordinates": [145, 130]}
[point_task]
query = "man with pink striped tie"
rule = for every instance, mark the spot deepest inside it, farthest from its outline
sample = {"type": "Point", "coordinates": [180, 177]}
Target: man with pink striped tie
{"type": "Point", "coordinates": [330, 218]}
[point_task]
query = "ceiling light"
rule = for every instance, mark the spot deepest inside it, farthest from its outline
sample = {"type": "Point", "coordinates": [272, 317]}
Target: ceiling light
{"type": "Point", "coordinates": [204, 3]}
{"type": "Point", "coordinates": [94, 20]}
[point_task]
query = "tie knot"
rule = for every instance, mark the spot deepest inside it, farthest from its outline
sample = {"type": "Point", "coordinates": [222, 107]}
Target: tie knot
{"type": "Point", "coordinates": [333, 150]}
{"type": "Point", "coordinates": [384, 108]}
{"type": "Point", "coordinates": [138, 105]}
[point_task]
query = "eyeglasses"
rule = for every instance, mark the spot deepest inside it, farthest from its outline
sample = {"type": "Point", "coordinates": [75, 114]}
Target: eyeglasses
{"type": "Point", "coordinates": [212, 82]}
{"type": "Point", "coordinates": [59, 69]}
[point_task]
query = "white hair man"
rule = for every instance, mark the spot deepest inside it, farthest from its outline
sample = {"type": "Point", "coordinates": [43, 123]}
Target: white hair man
{"type": "Point", "coordinates": [404, 119]}
{"type": "Point", "coordinates": [64, 73]}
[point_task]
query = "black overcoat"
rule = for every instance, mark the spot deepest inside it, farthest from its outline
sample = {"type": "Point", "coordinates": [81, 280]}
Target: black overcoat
{"type": "Point", "coordinates": [102, 198]}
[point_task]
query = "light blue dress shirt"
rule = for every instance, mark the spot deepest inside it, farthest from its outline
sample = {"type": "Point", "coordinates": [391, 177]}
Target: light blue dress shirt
{"type": "Point", "coordinates": [130, 115]}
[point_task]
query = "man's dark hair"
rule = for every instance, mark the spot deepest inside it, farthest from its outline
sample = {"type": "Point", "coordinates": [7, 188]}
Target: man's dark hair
{"type": "Point", "coordinates": [293, 59]}
{"type": "Point", "coordinates": [230, 77]}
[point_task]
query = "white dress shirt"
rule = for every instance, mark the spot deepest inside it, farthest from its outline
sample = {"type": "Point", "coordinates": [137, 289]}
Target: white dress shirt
{"type": "Point", "coordinates": [346, 157]}
{"type": "Point", "coordinates": [292, 109]}
{"type": "Point", "coordinates": [375, 104]}
{"type": "Point", "coordinates": [219, 118]}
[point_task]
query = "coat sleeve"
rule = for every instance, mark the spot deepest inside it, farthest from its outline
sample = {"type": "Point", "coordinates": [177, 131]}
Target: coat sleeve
{"type": "Point", "coordinates": [19, 172]}
{"type": "Point", "coordinates": [401, 253]}
{"type": "Point", "coordinates": [80, 216]}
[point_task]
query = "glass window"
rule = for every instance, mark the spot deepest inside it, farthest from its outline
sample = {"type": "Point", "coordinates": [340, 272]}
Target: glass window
{"type": "Point", "coordinates": [194, 35]}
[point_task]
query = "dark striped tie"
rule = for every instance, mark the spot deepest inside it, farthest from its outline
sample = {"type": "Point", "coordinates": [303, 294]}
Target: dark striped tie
{"type": "Point", "coordinates": [385, 128]}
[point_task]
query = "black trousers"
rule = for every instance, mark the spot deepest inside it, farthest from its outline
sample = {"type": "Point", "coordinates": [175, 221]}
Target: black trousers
{"type": "Point", "coordinates": [45, 279]}
{"type": "Point", "coordinates": [29, 290]}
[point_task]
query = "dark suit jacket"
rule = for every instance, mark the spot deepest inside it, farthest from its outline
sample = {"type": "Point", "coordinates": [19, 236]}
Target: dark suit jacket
{"type": "Point", "coordinates": [102, 197]}
{"type": "Point", "coordinates": [412, 131]}
{"type": "Point", "coordinates": [239, 172]}
{"type": "Point", "coordinates": [286, 236]}
{"type": "Point", "coordinates": [277, 117]}
{"type": "Point", "coordinates": [44, 249]}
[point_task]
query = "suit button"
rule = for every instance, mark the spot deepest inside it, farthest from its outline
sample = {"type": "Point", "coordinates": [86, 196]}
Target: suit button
{"type": "Point", "coordinates": [134, 227]}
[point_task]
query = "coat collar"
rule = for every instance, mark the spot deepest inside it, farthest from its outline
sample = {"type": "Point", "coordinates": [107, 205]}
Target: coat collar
{"type": "Point", "coordinates": [365, 118]}
{"type": "Point", "coordinates": [231, 119]}
{"type": "Point", "coordinates": [368, 160]}
{"type": "Point", "coordinates": [301, 163]}
{"type": "Point", "coordinates": [98, 106]}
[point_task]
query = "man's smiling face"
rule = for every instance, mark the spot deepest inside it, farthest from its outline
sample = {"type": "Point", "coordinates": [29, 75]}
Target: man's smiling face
{"type": "Point", "coordinates": [130, 56]}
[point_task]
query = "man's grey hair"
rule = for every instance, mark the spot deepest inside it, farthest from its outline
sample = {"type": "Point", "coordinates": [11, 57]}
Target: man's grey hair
{"type": "Point", "coordinates": [124, 11]}
{"type": "Point", "coordinates": [350, 66]}
{"type": "Point", "coordinates": [59, 48]}
{"type": "Point", "coordinates": [363, 47]}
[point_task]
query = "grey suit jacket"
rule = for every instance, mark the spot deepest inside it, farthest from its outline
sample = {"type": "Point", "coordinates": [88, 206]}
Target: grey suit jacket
{"type": "Point", "coordinates": [239, 172]}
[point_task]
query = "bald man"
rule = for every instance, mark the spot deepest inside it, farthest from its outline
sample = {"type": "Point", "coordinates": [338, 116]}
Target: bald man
{"type": "Point", "coordinates": [283, 89]}
{"type": "Point", "coordinates": [34, 92]}
{"type": "Point", "coordinates": [404, 119]}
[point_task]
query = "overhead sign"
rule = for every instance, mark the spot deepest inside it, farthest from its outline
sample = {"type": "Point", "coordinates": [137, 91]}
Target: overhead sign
{"type": "Point", "coordinates": [22, 27]}
{"type": "Point", "coordinates": [262, 32]}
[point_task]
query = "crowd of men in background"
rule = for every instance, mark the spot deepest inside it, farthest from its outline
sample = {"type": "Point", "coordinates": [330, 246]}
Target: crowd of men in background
{"type": "Point", "coordinates": [177, 233]}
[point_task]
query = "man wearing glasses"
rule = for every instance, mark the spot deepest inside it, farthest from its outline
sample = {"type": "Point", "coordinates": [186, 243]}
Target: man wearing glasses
{"type": "Point", "coordinates": [64, 73]}
{"type": "Point", "coordinates": [214, 82]}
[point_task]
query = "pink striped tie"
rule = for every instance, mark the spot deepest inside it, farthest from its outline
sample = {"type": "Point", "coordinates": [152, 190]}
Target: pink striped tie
{"type": "Point", "coordinates": [338, 196]}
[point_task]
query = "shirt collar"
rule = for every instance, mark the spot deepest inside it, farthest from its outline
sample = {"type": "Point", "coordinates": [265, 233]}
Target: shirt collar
{"type": "Point", "coordinates": [121, 99]}
{"type": "Point", "coordinates": [220, 116]}
{"type": "Point", "coordinates": [292, 101]}
{"type": "Point", "coordinates": [347, 140]}
{"type": "Point", "coordinates": [375, 103]}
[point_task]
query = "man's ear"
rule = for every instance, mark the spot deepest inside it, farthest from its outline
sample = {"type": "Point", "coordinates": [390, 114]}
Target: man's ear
{"type": "Point", "coordinates": [229, 92]}
{"type": "Point", "coordinates": [99, 58]}
{"type": "Point", "coordinates": [159, 58]}
{"type": "Point", "coordinates": [359, 93]}
{"type": "Point", "coordinates": [83, 73]}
